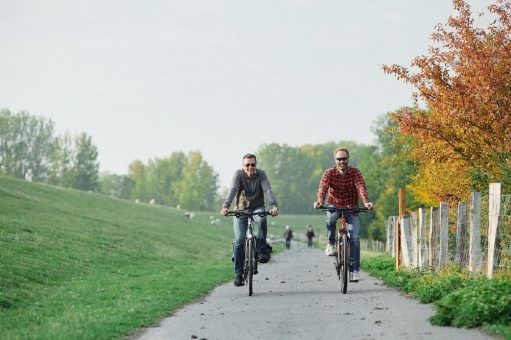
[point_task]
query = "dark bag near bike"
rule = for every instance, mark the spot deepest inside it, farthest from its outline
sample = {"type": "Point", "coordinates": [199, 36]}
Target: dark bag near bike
{"type": "Point", "coordinates": [265, 254]}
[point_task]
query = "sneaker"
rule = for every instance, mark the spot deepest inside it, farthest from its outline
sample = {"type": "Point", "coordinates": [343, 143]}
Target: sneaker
{"type": "Point", "coordinates": [329, 250]}
{"type": "Point", "coordinates": [264, 257]}
{"type": "Point", "coordinates": [355, 277]}
{"type": "Point", "coordinates": [238, 281]}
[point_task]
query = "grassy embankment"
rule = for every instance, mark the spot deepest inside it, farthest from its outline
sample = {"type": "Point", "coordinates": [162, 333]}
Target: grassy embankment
{"type": "Point", "coordinates": [82, 265]}
{"type": "Point", "coordinates": [461, 299]}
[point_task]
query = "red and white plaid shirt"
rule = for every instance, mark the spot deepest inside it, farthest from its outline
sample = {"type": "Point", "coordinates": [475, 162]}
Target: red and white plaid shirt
{"type": "Point", "coordinates": [343, 191]}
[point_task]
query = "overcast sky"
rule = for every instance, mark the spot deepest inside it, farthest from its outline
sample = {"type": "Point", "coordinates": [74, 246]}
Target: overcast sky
{"type": "Point", "coordinates": [148, 78]}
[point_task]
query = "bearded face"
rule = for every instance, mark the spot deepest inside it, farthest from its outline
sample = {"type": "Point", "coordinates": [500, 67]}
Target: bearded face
{"type": "Point", "coordinates": [341, 160]}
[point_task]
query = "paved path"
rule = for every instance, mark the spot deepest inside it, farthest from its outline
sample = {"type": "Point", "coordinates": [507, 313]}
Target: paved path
{"type": "Point", "coordinates": [297, 296]}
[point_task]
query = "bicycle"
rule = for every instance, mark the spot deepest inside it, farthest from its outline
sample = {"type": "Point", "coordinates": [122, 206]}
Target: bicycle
{"type": "Point", "coordinates": [251, 257]}
{"type": "Point", "coordinates": [343, 258]}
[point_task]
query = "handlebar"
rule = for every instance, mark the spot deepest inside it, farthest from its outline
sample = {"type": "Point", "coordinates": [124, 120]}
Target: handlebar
{"type": "Point", "coordinates": [344, 210]}
{"type": "Point", "coordinates": [248, 213]}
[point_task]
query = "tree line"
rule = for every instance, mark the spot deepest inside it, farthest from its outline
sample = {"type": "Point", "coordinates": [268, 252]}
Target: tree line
{"type": "Point", "coordinates": [29, 146]}
{"type": "Point", "coordinates": [29, 149]}
{"type": "Point", "coordinates": [180, 179]}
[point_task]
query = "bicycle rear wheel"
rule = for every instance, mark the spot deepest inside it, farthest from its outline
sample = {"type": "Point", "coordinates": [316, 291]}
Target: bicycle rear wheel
{"type": "Point", "coordinates": [338, 258]}
{"type": "Point", "coordinates": [250, 254]}
{"type": "Point", "coordinates": [344, 263]}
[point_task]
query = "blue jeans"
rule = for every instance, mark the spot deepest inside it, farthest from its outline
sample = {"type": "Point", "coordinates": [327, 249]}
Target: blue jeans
{"type": "Point", "coordinates": [331, 219]}
{"type": "Point", "coordinates": [240, 231]}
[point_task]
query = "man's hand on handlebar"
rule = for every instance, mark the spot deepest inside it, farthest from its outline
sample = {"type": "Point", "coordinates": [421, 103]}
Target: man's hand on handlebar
{"type": "Point", "coordinates": [274, 212]}
{"type": "Point", "coordinates": [224, 211]}
{"type": "Point", "coordinates": [317, 205]}
{"type": "Point", "coordinates": [369, 205]}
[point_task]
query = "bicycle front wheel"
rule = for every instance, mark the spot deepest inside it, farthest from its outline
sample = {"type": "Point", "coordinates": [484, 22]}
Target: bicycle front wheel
{"type": "Point", "coordinates": [250, 254]}
{"type": "Point", "coordinates": [338, 257]}
{"type": "Point", "coordinates": [344, 264]}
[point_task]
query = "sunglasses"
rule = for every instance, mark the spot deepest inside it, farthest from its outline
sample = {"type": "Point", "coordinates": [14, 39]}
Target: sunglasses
{"type": "Point", "coordinates": [248, 165]}
{"type": "Point", "coordinates": [342, 158]}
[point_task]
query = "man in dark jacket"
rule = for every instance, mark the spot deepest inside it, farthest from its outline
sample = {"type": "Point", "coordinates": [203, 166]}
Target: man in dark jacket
{"type": "Point", "coordinates": [248, 187]}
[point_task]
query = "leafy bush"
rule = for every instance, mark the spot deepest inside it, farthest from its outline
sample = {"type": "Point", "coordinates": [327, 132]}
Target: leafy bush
{"type": "Point", "coordinates": [432, 287]}
{"type": "Point", "coordinates": [379, 266]}
{"type": "Point", "coordinates": [503, 330]}
{"type": "Point", "coordinates": [481, 302]}
{"type": "Point", "coordinates": [403, 279]}
{"type": "Point", "coordinates": [383, 266]}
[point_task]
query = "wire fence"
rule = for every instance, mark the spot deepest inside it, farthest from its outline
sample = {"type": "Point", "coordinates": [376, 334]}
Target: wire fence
{"type": "Point", "coordinates": [477, 236]}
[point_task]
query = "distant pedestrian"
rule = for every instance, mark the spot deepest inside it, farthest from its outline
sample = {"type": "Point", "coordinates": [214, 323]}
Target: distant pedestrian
{"type": "Point", "coordinates": [310, 235]}
{"type": "Point", "coordinates": [288, 235]}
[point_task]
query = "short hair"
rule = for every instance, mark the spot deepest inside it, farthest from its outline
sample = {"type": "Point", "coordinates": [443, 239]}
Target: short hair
{"type": "Point", "coordinates": [342, 149]}
{"type": "Point", "coordinates": [249, 155]}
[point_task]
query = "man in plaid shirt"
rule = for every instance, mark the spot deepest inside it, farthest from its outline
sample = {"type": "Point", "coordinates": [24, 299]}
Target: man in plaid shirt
{"type": "Point", "coordinates": [344, 185]}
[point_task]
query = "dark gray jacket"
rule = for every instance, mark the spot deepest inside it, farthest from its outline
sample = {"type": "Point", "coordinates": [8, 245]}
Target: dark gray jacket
{"type": "Point", "coordinates": [249, 191]}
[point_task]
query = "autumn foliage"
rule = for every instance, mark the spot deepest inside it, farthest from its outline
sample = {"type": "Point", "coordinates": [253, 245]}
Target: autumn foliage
{"type": "Point", "coordinates": [463, 137]}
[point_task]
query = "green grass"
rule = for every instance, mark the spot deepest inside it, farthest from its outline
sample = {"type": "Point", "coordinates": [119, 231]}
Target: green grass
{"type": "Point", "coordinates": [80, 265]}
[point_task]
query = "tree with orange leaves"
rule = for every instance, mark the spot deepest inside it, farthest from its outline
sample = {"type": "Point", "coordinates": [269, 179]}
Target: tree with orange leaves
{"type": "Point", "coordinates": [466, 83]}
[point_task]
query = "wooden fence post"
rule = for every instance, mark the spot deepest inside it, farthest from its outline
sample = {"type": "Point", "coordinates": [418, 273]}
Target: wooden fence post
{"type": "Point", "coordinates": [461, 234]}
{"type": "Point", "coordinates": [402, 208]}
{"type": "Point", "coordinates": [423, 251]}
{"type": "Point", "coordinates": [414, 242]}
{"type": "Point", "coordinates": [388, 233]}
{"type": "Point", "coordinates": [432, 240]}
{"type": "Point", "coordinates": [444, 234]}
{"type": "Point", "coordinates": [406, 242]}
{"type": "Point", "coordinates": [493, 219]}
{"type": "Point", "coordinates": [391, 233]}
{"type": "Point", "coordinates": [475, 259]}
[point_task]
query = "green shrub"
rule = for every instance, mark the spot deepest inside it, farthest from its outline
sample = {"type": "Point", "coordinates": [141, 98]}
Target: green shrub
{"type": "Point", "coordinates": [502, 330]}
{"type": "Point", "coordinates": [383, 266]}
{"type": "Point", "coordinates": [379, 266]}
{"type": "Point", "coordinates": [432, 287]}
{"type": "Point", "coordinates": [481, 302]}
{"type": "Point", "coordinates": [402, 279]}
